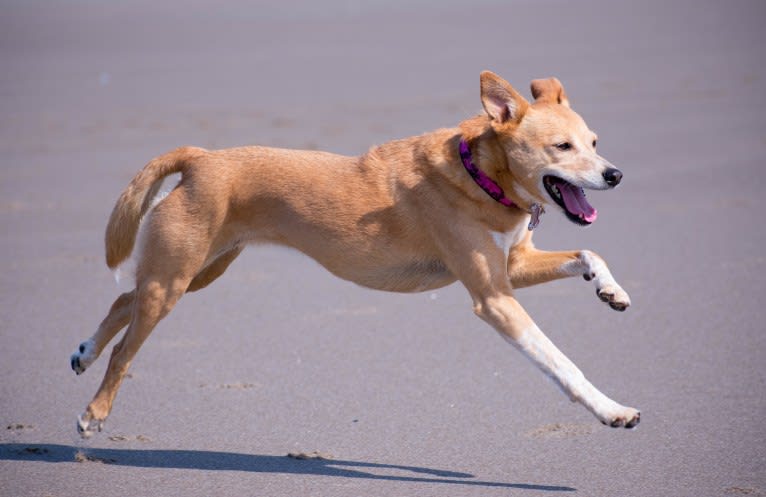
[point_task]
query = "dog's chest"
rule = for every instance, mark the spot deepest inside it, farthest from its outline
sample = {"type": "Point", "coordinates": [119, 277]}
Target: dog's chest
{"type": "Point", "coordinates": [507, 239]}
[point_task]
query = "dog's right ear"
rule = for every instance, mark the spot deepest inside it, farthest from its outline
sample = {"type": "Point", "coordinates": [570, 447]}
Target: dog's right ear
{"type": "Point", "coordinates": [501, 102]}
{"type": "Point", "coordinates": [549, 90]}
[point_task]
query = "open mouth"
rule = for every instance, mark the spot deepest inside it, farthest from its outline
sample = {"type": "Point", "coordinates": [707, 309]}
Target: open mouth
{"type": "Point", "coordinates": [571, 198]}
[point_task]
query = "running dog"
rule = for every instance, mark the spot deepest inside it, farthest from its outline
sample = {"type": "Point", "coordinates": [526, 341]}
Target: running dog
{"type": "Point", "coordinates": [410, 215]}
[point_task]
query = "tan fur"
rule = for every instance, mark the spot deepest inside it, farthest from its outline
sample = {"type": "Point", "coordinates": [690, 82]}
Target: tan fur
{"type": "Point", "coordinates": [403, 217]}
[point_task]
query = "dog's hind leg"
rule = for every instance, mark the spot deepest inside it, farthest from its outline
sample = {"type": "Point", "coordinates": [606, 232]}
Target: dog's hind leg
{"type": "Point", "coordinates": [154, 304]}
{"type": "Point", "coordinates": [119, 317]}
{"type": "Point", "coordinates": [153, 300]}
{"type": "Point", "coordinates": [173, 253]}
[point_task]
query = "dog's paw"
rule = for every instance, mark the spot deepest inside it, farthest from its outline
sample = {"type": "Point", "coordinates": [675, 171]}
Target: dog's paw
{"type": "Point", "coordinates": [627, 418]}
{"type": "Point", "coordinates": [87, 425]}
{"type": "Point", "coordinates": [84, 356]}
{"type": "Point", "coordinates": [595, 269]}
{"type": "Point", "coordinates": [610, 413]}
{"type": "Point", "coordinates": [616, 297]}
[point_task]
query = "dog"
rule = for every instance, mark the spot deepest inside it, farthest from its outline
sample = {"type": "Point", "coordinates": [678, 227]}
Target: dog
{"type": "Point", "coordinates": [410, 215]}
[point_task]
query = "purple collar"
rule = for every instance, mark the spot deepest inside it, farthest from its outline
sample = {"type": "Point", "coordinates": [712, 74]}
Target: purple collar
{"type": "Point", "coordinates": [493, 189]}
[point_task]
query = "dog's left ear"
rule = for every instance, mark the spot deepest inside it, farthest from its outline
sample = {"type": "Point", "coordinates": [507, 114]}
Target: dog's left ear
{"type": "Point", "coordinates": [500, 100]}
{"type": "Point", "coordinates": [549, 90]}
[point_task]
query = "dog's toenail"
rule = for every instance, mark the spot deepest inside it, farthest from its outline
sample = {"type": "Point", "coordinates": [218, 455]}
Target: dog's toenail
{"type": "Point", "coordinates": [82, 348]}
{"type": "Point", "coordinates": [618, 306]}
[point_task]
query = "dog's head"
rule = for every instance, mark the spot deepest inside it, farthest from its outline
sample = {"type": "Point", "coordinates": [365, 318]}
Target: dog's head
{"type": "Point", "coordinates": [550, 151]}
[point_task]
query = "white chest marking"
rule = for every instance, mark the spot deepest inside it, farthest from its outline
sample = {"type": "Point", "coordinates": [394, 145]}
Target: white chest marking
{"type": "Point", "coordinates": [509, 239]}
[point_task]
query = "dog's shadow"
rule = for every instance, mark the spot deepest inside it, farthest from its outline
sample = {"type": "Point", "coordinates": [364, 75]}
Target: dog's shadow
{"type": "Point", "coordinates": [230, 461]}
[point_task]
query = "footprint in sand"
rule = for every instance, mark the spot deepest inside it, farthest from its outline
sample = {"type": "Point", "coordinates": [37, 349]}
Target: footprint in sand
{"type": "Point", "coordinates": [316, 455]}
{"type": "Point", "coordinates": [560, 430]}
{"type": "Point", "coordinates": [81, 456]}
{"type": "Point", "coordinates": [231, 386]}
{"type": "Point", "coordinates": [18, 427]}
{"type": "Point", "coordinates": [128, 438]}
{"type": "Point", "coordinates": [33, 450]}
{"type": "Point", "coordinates": [754, 492]}
{"type": "Point", "coordinates": [237, 386]}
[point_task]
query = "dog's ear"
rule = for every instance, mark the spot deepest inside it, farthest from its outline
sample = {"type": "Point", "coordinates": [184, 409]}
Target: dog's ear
{"type": "Point", "coordinates": [549, 90]}
{"type": "Point", "coordinates": [500, 100]}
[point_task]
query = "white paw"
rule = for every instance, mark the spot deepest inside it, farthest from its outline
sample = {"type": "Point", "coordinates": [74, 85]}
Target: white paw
{"type": "Point", "coordinates": [607, 289]}
{"type": "Point", "coordinates": [86, 425]}
{"type": "Point", "coordinates": [624, 417]}
{"type": "Point", "coordinates": [615, 296]}
{"type": "Point", "coordinates": [84, 356]}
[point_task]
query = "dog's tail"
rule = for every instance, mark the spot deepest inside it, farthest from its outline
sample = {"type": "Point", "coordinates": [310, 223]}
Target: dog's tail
{"type": "Point", "coordinates": [136, 200]}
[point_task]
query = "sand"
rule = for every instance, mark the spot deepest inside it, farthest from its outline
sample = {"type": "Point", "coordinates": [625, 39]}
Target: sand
{"type": "Point", "coordinates": [409, 394]}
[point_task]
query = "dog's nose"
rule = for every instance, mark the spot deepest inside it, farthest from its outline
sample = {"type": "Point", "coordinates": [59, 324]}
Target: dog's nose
{"type": "Point", "coordinates": [612, 176]}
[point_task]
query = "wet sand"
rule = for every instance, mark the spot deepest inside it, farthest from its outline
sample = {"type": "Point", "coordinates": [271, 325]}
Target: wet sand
{"type": "Point", "coordinates": [386, 394]}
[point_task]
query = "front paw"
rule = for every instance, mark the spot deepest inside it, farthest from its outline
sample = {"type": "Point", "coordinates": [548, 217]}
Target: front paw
{"type": "Point", "coordinates": [626, 418]}
{"type": "Point", "coordinates": [595, 269]}
{"type": "Point", "coordinates": [616, 297]}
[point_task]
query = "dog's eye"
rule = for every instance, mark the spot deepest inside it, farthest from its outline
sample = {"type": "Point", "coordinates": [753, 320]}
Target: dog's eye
{"type": "Point", "coordinates": [564, 146]}
{"type": "Point", "coordinates": [594, 143]}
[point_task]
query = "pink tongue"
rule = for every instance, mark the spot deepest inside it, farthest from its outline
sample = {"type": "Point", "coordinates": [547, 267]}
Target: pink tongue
{"type": "Point", "coordinates": [576, 203]}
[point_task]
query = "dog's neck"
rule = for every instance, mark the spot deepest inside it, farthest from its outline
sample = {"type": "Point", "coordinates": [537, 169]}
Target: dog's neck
{"type": "Point", "coordinates": [492, 188]}
{"type": "Point", "coordinates": [480, 177]}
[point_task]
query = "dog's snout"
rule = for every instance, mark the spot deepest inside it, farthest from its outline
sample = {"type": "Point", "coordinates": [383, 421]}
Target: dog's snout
{"type": "Point", "coordinates": [612, 176]}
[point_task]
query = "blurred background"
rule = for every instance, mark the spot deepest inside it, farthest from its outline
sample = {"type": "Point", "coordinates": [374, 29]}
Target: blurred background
{"type": "Point", "coordinates": [411, 394]}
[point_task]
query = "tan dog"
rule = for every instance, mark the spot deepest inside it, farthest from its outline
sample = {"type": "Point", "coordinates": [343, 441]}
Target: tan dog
{"type": "Point", "coordinates": [408, 216]}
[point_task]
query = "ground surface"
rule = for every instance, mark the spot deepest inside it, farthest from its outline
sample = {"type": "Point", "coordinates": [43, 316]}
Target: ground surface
{"type": "Point", "coordinates": [410, 394]}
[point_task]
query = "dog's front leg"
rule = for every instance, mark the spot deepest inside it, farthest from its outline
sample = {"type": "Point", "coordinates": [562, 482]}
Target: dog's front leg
{"type": "Point", "coordinates": [481, 265]}
{"type": "Point", "coordinates": [529, 266]}
{"type": "Point", "coordinates": [514, 324]}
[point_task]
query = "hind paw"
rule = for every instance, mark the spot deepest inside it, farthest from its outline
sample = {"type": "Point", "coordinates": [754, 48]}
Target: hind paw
{"type": "Point", "coordinates": [83, 357]}
{"type": "Point", "coordinates": [87, 425]}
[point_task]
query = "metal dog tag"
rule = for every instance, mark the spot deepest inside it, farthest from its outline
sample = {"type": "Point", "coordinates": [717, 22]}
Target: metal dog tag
{"type": "Point", "coordinates": [536, 210]}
